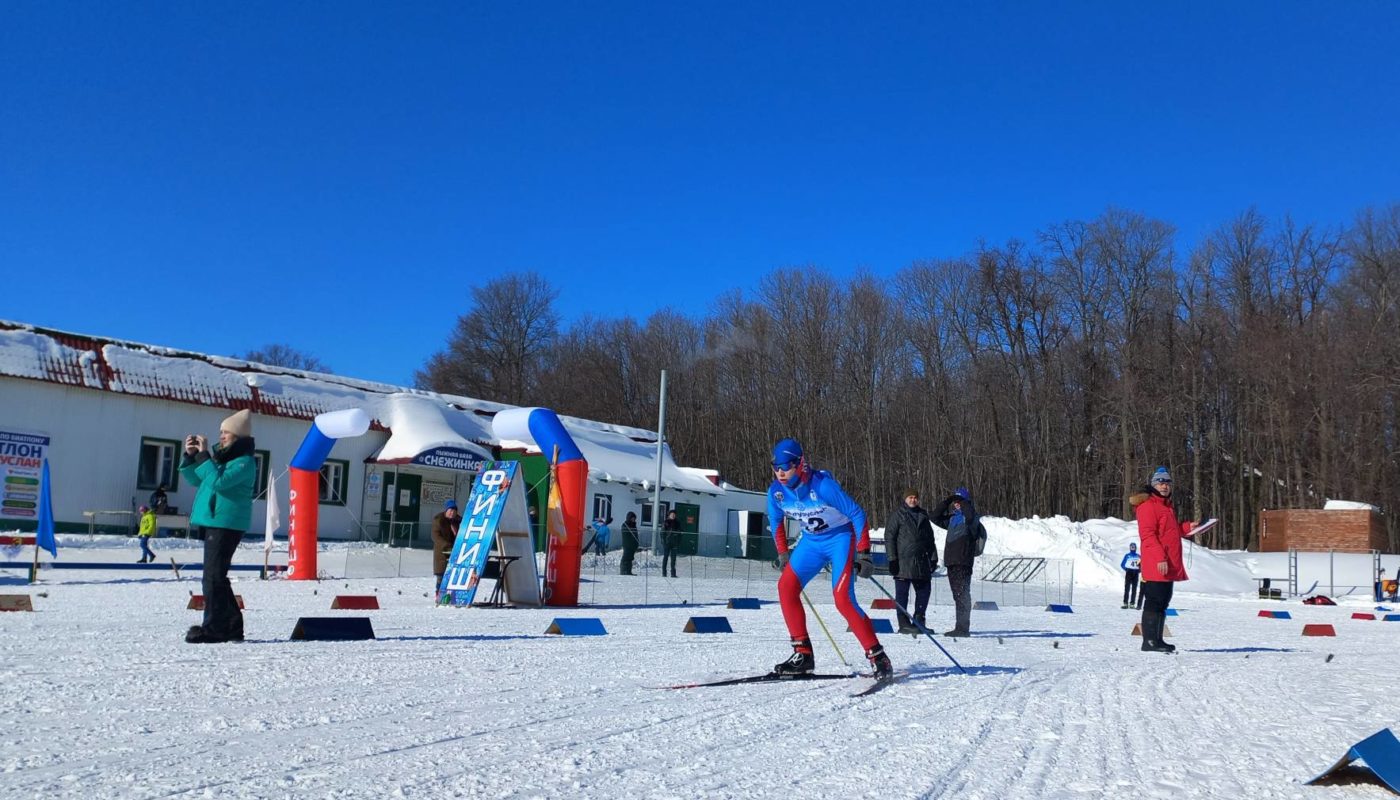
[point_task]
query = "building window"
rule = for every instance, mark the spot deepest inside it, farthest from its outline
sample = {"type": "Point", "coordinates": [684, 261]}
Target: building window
{"type": "Point", "coordinates": [158, 464]}
{"type": "Point", "coordinates": [602, 506]}
{"type": "Point", "coordinates": [262, 459]}
{"type": "Point", "coordinates": [646, 511]}
{"type": "Point", "coordinates": [335, 479]}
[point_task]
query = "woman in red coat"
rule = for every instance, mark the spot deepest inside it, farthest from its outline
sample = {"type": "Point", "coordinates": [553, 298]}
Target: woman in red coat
{"type": "Point", "coordinates": [1160, 536]}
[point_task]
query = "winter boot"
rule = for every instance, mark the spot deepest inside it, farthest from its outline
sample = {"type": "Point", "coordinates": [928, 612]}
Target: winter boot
{"type": "Point", "coordinates": [919, 625]}
{"type": "Point", "coordinates": [1152, 623]}
{"type": "Point", "coordinates": [801, 663]}
{"type": "Point", "coordinates": [879, 662]}
{"type": "Point", "coordinates": [905, 626]}
{"type": "Point", "coordinates": [957, 633]}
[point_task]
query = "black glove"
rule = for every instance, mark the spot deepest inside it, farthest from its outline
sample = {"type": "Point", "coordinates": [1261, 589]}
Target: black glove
{"type": "Point", "coordinates": [865, 565]}
{"type": "Point", "coordinates": [894, 566]}
{"type": "Point", "coordinates": [782, 560]}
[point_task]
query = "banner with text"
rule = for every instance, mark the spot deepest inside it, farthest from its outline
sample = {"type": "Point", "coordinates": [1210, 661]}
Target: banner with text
{"type": "Point", "coordinates": [21, 460]}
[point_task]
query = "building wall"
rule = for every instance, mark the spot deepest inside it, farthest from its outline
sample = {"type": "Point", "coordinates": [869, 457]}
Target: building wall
{"type": "Point", "coordinates": [95, 446]}
{"type": "Point", "coordinates": [1319, 530]}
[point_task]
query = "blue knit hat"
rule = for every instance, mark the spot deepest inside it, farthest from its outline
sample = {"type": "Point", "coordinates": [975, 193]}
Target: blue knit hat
{"type": "Point", "coordinates": [963, 494]}
{"type": "Point", "coordinates": [1161, 476]}
{"type": "Point", "coordinates": [786, 452]}
{"type": "Point", "coordinates": [449, 504]}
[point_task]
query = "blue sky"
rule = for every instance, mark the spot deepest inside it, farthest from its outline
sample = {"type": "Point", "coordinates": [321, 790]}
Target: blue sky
{"type": "Point", "coordinates": [336, 176]}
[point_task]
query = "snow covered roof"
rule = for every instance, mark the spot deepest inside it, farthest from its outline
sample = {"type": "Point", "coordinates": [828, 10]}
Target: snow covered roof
{"type": "Point", "coordinates": [427, 431]}
{"type": "Point", "coordinates": [1348, 505]}
{"type": "Point", "coordinates": [419, 422]}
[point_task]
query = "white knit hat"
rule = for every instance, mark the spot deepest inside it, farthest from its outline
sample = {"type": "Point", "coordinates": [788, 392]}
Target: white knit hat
{"type": "Point", "coordinates": [240, 424]}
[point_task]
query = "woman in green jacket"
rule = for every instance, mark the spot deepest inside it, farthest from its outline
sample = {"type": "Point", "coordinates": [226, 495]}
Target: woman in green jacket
{"type": "Point", "coordinates": [224, 478]}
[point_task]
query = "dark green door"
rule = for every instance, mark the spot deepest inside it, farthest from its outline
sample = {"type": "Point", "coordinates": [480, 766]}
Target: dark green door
{"type": "Point", "coordinates": [400, 504]}
{"type": "Point", "coordinates": [688, 520]}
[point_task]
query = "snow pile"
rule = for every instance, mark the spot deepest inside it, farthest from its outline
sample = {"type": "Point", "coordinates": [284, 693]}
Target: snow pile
{"type": "Point", "coordinates": [1348, 505]}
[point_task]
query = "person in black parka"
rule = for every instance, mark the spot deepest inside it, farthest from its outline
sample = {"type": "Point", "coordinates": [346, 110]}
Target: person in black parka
{"type": "Point", "coordinates": [913, 557]}
{"type": "Point", "coordinates": [966, 538]}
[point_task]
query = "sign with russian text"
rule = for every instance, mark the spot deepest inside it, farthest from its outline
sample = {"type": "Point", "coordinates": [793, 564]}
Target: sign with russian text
{"type": "Point", "coordinates": [21, 461]}
{"type": "Point", "coordinates": [495, 523]}
{"type": "Point", "coordinates": [450, 458]}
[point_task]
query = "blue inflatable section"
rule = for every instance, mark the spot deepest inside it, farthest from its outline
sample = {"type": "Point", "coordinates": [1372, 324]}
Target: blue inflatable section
{"type": "Point", "coordinates": [549, 432]}
{"type": "Point", "coordinates": [313, 451]}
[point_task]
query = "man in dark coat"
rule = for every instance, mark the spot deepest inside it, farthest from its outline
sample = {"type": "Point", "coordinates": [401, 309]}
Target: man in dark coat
{"type": "Point", "coordinates": [913, 556]}
{"type": "Point", "coordinates": [629, 542]}
{"type": "Point", "coordinates": [966, 538]}
{"type": "Point", "coordinates": [445, 527]}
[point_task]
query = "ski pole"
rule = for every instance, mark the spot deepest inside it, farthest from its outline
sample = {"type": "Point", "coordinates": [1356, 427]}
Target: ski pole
{"type": "Point", "coordinates": [916, 624]}
{"type": "Point", "coordinates": [829, 637]}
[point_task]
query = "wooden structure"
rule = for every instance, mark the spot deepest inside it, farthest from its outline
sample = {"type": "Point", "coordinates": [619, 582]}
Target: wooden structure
{"type": "Point", "coordinates": [1316, 530]}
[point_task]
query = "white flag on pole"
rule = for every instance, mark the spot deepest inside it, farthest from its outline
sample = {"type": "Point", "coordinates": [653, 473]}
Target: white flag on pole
{"type": "Point", "coordinates": [274, 514]}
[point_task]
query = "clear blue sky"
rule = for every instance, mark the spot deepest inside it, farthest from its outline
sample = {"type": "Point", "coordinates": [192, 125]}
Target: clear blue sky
{"type": "Point", "coordinates": [336, 176]}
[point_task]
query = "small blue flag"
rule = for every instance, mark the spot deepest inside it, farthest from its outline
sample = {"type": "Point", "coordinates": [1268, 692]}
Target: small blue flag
{"type": "Point", "coordinates": [44, 537]}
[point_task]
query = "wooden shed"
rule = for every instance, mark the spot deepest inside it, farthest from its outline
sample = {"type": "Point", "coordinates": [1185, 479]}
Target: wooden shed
{"type": "Point", "coordinates": [1317, 530]}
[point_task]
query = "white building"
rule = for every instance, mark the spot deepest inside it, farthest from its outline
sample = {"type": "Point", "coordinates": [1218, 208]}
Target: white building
{"type": "Point", "coordinates": [110, 417]}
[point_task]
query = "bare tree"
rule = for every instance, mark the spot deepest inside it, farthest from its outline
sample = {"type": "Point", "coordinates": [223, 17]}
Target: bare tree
{"type": "Point", "coordinates": [284, 355]}
{"type": "Point", "coordinates": [500, 347]}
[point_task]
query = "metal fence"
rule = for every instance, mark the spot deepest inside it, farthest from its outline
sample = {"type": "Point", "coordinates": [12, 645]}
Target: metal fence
{"type": "Point", "coordinates": [714, 579]}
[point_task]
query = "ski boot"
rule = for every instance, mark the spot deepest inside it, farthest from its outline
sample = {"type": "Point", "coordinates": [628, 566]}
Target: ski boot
{"type": "Point", "coordinates": [880, 662]}
{"type": "Point", "coordinates": [801, 663]}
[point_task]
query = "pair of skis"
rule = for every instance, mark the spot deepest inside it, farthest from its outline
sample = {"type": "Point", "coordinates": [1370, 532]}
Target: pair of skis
{"type": "Point", "coordinates": [777, 677]}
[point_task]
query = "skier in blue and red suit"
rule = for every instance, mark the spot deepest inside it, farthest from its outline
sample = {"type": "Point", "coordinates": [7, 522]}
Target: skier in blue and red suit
{"type": "Point", "coordinates": [834, 532]}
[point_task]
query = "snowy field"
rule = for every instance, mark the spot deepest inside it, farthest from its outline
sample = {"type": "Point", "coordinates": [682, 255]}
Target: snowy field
{"type": "Point", "coordinates": [103, 699]}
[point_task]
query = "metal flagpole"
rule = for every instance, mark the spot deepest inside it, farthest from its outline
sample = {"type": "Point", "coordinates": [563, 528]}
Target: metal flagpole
{"type": "Point", "coordinates": [656, 490]}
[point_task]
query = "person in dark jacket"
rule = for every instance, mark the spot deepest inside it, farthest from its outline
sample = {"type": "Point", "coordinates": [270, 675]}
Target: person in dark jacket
{"type": "Point", "coordinates": [966, 538]}
{"type": "Point", "coordinates": [445, 526]}
{"type": "Point", "coordinates": [223, 477]}
{"type": "Point", "coordinates": [1161, 536]}
{"type": "Point", "coordinates": [671, 538]}
{"type": "Point", "coordinates": [630, 542]}
{"type": "Point", "coordinates": [913, 558]}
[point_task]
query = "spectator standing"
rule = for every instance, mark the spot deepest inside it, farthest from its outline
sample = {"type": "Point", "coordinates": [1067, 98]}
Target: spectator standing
{"type": "Point", "coordinates": [144, 534]}
{"type": "Point", "coordinates": [445, 526]}
{"type": "Point", "coordinates": [629, 542]}
{"type": "Point", "coordinates": [1131, 566]}
{"type": "Point", "coordinates": [965, 541]}
{"type": "Point", "coordinates": [913, 558]}
{"type": "Point", "coordinates": [1161, 566]}
{"type": "Point", "coordinates": [223, 477]}
{"type": "Point", "coordinates": [671, 539]}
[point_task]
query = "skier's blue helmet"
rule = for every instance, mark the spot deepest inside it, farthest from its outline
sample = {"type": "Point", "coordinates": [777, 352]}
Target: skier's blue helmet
{"type": "Point", "coordinates": [786, 453]}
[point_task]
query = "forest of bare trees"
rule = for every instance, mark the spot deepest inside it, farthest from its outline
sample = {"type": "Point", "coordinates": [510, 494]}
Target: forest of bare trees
{"type": "Point", "coordinates": [1047, 374]}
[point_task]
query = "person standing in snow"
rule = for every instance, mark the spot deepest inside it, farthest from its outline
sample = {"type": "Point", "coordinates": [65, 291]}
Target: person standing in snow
{"type": "Point", "coordinates": [1130, 565]}
{"type": "Point", "coordinates": [671, 540]}
{"type": "Point", "coordinates": [1162, 567]}
{"type": "Point", "coordinates": [913, 558]}
{"type": "Point", "coordinates": [834, 533]}
{"type": "Point", "coordinates": [630, 542]}
{"type": "Point", "coordinates": [224, 477]}
{"type": "Point", "coordinates": [964, 543]}
{"type": "Point", "coordinates": [445, 526]}
{"type": "Point", "coordinates": [144, 534]}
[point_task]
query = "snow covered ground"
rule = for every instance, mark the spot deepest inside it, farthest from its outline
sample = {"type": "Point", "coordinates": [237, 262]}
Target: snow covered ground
{"type": "Point", "coordinates": [103, 699]}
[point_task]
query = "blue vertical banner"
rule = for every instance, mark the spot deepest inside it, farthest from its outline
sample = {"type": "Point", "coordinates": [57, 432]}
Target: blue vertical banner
{"type": "Point", "coordinates": [44, 537]}
{"type": "Point", "coordinates": [477, 534]}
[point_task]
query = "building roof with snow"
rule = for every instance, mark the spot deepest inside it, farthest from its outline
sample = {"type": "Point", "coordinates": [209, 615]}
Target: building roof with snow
{"type": "Point", "coordinates": [418, 421]}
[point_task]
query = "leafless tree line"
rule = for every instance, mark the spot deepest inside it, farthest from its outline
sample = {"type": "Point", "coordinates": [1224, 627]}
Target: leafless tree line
{"type": "Point", "coordinates": [1047, 375]}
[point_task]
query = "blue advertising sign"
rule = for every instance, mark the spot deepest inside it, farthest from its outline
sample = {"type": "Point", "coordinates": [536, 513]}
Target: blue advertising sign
{"type": "Point", "coordinates": [451, 458]}
{"type": "Point", "coordinates": [477, 534]}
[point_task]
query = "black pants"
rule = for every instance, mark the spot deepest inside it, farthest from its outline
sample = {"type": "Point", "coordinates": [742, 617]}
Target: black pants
{"type": "Point", "coordinates": [629, 552]}
{"type": "Point", "coordinates": [1157, 595]}
{"type": "Point", "coordinates": [1130, 586]}
{"type": "Point", "coordinates": [672, 553]}
{"type": "Point", "coordinates": [922, 587]}
{"type": "Point", "coordinates": [222, 616]}
{"type": "Point", "coordinates": [960, 581]}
